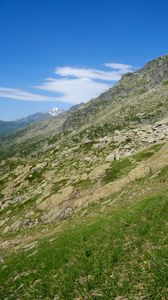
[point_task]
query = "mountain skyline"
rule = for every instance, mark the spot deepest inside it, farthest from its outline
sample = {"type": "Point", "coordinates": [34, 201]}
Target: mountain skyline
{"type": "Point", "coordinates": [54, 111]}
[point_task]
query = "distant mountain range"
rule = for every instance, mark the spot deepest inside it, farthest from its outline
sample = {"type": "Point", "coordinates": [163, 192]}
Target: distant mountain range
{"type": "Point", "coordinates": [7, 127]}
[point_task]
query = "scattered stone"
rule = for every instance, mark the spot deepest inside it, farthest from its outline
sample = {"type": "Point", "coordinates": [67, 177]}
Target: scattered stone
{"type": "Point", "coordinates": [110, 157]}
{"type": "Point", "coordinates": [1, 259]}
{"type": "Point", "coordinates": [16, 225]}
{"type": "Point", "coordinates": [127, 146]}
{"type": "Point", "coordinates": [27, 222]}
{"type": "Point", "coordinates": [151, 140]}
{"type": "Point", "coordinates": [29, 214]}
{"type": "Point", "coordinates": [84, 176]}
{"type": "Point", "coordinates": [104, 139]}
{"type": "Point", "coordinates": [2, 222]}
{"type": "Point", "coordinates": [7, 229]}
{"type": "Point", "coordinates": [120, 139]}
{"type": "Point", "coordinates": [67, 213]}
{"type": "Point", "coordinates": [39, 166]}
{"type": "Point", "coordinates": [87, 158]}
{"type": "Point", "coordinates": [30, 246]}
{"type": "Point", "coordinates": [52, 216]}
{"type": "Point", "coordinates": [74, 177]}
{"type": "Point", "coordinates": [161, 136]}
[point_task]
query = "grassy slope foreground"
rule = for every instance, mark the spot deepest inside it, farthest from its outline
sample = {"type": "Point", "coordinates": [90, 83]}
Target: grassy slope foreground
{"type": "Point", "coordinates": [117, 251]}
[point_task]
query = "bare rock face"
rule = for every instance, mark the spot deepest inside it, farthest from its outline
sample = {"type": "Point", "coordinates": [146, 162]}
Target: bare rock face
{"type": "Point", "coordinates": [56, 206]}
{"type": "Point", "coordinates": [98, 171]}
{"type": "Point", "coordinates": [56, 199]}
{"type": "Point", "coordinates": [67, 213]}
{"type": "Point", "coordinates": [52, 215]}
{"type": "Point", "coordinates": [57, 214]}
{"type": "Point", "coordinates": [157, 71]}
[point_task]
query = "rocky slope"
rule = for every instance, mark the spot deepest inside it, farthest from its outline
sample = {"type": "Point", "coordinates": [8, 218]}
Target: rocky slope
{"type": "Point", "coordinates": [139, 97]}
{"type": "Point", "coordinates": [104, 156]}
{"type": "Point", "coordinates": [47, 162]}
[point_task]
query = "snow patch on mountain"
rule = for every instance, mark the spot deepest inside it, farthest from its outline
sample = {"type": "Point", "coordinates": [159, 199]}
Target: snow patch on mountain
{"type": "Point", "coordinates": [55, 111]}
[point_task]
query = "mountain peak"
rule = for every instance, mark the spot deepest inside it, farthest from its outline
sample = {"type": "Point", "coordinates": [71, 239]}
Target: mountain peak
{"type": "Point", "coordinates": [54, 111]}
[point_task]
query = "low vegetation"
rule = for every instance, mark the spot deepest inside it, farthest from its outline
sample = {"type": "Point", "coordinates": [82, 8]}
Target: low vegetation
{"type": "Point", "coordinates": [84, 184]}
{"type": "Point", "coordinates": [118, 169]}
{"type": "Point", "coordinates": [58, 185]}
{"type": "Point", "coordinates": [121, 253]}
{"type": "Point", "coordinates": [147, 153]}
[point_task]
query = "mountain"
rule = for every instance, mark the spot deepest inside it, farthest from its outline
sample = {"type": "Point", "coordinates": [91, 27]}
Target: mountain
{"type": "Point", "coordinates": [84, 197]}
{"type": "Point", "coordinates": [139, 97]}
{"type": "Point", "coordinates": [6, 127]}
{"type": "Point", "coordinates": [55, 111]}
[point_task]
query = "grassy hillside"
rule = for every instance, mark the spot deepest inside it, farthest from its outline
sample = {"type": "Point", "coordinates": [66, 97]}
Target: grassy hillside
{"type": "Point", "coordinates": [114, 250]}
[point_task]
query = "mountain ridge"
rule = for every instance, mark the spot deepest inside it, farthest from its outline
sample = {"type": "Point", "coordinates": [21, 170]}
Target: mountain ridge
{"type": "Point", "coordinates": [84, 197]}
{"type": "Point", "coordinates": [126, 124]}
{"type": "Point", "coordinates": [7, 127]}
{"type": "Point", "coordinates": [153, 74]}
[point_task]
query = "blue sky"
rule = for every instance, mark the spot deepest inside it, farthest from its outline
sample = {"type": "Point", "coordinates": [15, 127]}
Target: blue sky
{"type": "Point", "coordinates": [62, 52]}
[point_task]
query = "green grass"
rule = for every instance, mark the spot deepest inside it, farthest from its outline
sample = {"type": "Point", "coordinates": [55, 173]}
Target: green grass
{"type": "Point", "coordinates": [85, 148]}
{"type": "Point", "coordinates": [16, 208]}
{"type": "Point", "coordinates": [58, 185]}
{"type": "Point", "coordinates": [54, 139]}
{"type": "Point", "coordinates": [122, 167]}
{"type": "Point", "coordinates": [143, 155]}
{"type": "Point", "coordinates": [118, 169]}
{"type": "Point", "coordinates": [2, 182]}
{"type": "Point", "coordinates": [163, 174]}
{"type": "Point", "coordinates": [117, 254]}
{"type": "Point", "coordinates": [84, 184]}
{"type": "Point", "coordinates": [141, 91]}
{"type": "Point", "coordinates": [165, 82]}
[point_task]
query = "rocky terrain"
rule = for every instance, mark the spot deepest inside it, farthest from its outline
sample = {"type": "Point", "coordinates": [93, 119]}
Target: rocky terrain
{"type": "Point", "coordinates": [99, 159]}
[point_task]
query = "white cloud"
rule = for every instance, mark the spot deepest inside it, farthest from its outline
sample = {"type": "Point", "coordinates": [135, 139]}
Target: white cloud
{"type": "Point", "coordinates": [82, 84]}
{"type": "Point", "coordinates": [118, 70]}
{"type": "Point", "coordinates": [74, 90]}
{"type": "Point", "coordinates": [72, 84]}
{"type": "Point", "coordinates": [19, 94]}
{"type": "Point", "coordinates": [121, 67]}
{"type": "Point", "coordinates": [88, 73]}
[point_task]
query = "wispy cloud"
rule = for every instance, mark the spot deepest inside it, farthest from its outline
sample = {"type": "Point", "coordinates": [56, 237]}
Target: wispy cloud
{"type": "Point", "coordinates": [72, 84]}
{"type": "Point", "coordinates": [122, 68]}
{"type": "Point", "coordinates": [74, 90]}
{"type": "Point", "coordinates": [118, 70]}
{"type": "Point", "coordinates": [19, 94]}
{"type": "Point", "coordinates": [82, 84]}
